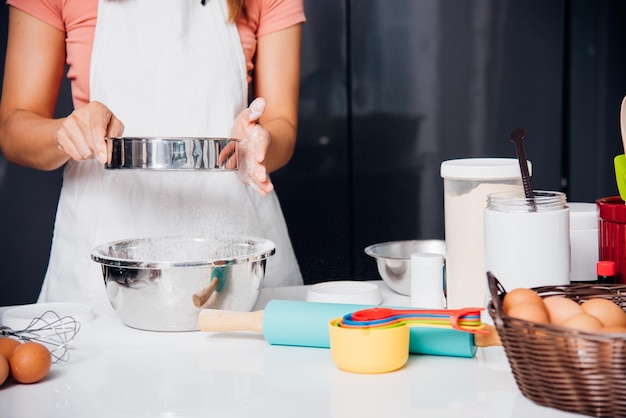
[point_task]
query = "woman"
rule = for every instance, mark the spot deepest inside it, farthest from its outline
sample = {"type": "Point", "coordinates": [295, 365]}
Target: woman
{"type": "Point", "coordinates": [152, 68]}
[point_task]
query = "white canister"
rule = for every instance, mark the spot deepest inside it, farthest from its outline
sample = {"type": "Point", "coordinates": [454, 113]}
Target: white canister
{"type": "Point", "coordinates": [583, 235]}
{"type": "Point", "coordinates": [527, 240]}
{"type": "Point", "coordinates": [467, 182]}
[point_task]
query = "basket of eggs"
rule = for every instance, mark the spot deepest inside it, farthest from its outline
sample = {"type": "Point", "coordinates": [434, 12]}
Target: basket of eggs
{"type": "Point", "coordinates": [566, 345]}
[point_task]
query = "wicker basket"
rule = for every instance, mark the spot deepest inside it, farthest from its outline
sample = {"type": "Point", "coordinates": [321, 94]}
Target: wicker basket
{"type": "Point", "coordinates": [558, 367]}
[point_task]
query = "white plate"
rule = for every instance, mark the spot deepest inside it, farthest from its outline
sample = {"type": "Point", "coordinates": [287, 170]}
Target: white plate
{"type": "Point", "coordinates": [20, 317]}
{"type": "Point", "coordinates": [346, 291]}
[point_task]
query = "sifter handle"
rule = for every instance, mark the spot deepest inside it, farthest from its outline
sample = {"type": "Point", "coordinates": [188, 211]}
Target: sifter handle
{"type": "Point", "coordinates": [220, 320]}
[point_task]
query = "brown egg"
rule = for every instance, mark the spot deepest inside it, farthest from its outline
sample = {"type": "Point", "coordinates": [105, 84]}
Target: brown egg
{"type": "Point", "coordinates": [4, 369]}
{"type": "Point", "coordinates": [561, 308]}
{"type": "Point", "coordinates": [7, 344]}
{"type": "Point", "coordinates": [30, 362]}
{"type": "Point", "coordinates": [519, 296]}
{"type": "Point", "coordinates": [608, 312]}
{"type": "Point", "coordinates": [583, 322]}
{"type": "Point", "coordinates": [529, 312]}
{"type": "Point", "coordinates": [613, 330]}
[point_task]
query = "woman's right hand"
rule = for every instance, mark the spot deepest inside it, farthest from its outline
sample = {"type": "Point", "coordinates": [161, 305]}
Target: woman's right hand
{"type": "Point", "coordinates": [81, 135]}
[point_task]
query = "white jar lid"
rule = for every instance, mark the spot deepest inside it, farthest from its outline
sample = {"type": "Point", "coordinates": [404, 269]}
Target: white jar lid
{"type": "Point", "coordinates": [482, 169]}
{"type": "Point", "coordinates": [344, 291]}
{"type": "Point", "coordinates": [583, 215]}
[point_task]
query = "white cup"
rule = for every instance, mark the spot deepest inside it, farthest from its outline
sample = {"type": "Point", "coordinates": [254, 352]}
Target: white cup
{"type": "Point", "coordinates": [427, 278]}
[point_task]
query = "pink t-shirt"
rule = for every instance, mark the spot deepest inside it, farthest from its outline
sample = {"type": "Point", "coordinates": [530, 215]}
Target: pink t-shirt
{"type": "Point", "coordinates": [77, 18]}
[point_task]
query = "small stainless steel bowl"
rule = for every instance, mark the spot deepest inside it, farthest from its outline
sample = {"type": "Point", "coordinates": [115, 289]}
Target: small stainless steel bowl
{"type": "Point", "coordinates": [393, 260]}
{"type": "Point", "coordinates": [156, 153]}
{"type": "Point", "coordinates": [161, 284]}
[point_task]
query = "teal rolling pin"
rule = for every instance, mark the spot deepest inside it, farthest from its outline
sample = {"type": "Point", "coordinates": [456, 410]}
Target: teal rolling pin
{"type": "Point", "coordinates": [305, 324]}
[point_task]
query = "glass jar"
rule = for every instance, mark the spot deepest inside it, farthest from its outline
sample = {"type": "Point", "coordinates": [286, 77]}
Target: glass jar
{"type": "Point", "coordinates": [527, 242]}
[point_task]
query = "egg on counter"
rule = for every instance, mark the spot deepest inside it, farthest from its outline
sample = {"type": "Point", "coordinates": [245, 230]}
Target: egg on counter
{"type": "Point", "coordinates": [4, 369]}
{"type": "Point", "coordinates": [30, 362]}
{"type": "Point", "coordinates": [7, 344]}
{"type": "Point", "coordinates": [608, 312]}
{"type": "Point", "coordinates": [560, 309]}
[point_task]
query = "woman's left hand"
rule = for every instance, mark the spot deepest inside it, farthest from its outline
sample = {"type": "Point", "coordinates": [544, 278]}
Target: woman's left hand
{"type": "Point", "coordinates": [252, 147]}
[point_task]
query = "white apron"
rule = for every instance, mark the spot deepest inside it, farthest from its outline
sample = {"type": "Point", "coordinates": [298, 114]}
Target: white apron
{"type": "Point", "coordinates": [165, 68]}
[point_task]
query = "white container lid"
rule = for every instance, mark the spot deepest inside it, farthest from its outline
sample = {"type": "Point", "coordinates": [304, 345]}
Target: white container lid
{"type": "Point", "coordinates": [583, 215]}
{"type": "Point", "coordinates": [344, 291]}
{"type": "Point", "coordinates": [482, 169]}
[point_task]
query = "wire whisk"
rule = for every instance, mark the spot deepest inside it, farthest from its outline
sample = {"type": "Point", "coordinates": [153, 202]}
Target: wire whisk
{"type": "Point", "coordinates": [51, 330]}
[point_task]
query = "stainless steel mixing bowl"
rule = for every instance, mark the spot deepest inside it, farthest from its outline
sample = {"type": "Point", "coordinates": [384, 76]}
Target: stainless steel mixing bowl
{"type": "Point", "coordinates": [160, 284]}
{"type": "Point", "coordinates": [157, 153]}
{"type": "Point", "coordinates": [393, 260]}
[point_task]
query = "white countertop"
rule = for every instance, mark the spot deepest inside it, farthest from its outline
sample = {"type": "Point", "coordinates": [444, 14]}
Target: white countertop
{"type": "Point", "coordinates": [117, 371]}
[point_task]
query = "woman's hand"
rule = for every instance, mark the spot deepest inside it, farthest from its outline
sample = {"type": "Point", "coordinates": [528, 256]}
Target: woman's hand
{"type": "Point", "coordinates": [252, 147]}
{"type": "Point", "coordinates": [82, 133]}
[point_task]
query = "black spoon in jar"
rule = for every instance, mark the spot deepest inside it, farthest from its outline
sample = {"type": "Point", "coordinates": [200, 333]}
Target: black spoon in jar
{"type": "Point", "coordinates": [517, 137]}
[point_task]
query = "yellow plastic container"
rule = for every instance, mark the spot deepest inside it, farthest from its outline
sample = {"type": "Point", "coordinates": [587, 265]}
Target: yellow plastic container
{"type": "Point", "coordinates": [369, 350]}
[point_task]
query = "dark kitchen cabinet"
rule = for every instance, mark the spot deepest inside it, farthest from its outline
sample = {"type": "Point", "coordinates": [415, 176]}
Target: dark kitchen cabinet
{"type": "Point", "coordinates": [389, 90]}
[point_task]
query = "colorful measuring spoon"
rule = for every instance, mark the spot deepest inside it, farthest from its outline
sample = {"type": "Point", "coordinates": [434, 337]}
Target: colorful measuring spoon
{"type": "Point", "coordinates": [466, 319]}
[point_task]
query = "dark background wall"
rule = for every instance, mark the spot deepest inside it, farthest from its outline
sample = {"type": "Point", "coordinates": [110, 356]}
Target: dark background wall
{"type": "Point", "coordinates": [389, 90]}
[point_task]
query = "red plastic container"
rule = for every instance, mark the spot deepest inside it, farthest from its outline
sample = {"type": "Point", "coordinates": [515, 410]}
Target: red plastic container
{"type": "Point", "coordinates": [612, 234]}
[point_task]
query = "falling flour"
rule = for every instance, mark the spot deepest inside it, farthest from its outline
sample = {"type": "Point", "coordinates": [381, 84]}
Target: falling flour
{"type": "Point", "coordinates": [180, 203]}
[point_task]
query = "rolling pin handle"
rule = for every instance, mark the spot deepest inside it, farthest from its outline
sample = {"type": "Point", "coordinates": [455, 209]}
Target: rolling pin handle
{"type": "Point", "coordinates": [489, 339]}
{"type": "Point", "coordinates": [221, 320]}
